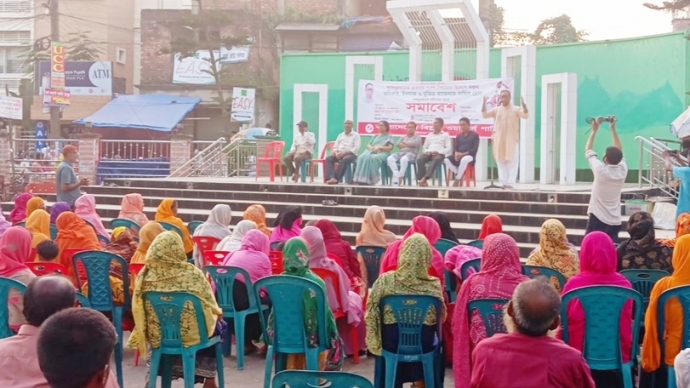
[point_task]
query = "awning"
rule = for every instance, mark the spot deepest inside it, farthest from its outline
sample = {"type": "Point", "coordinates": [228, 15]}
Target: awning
{"type": "Point", "coordinates": [158, 112]}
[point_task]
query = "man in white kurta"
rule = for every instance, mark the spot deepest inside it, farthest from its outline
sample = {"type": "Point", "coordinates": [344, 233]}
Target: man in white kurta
{"type": "Point", "coordinates": [506, 137]}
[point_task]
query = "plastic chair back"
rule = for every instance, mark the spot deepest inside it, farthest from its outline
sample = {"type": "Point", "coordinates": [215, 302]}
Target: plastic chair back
{"type": "Point", "coordinates": [40, 268]}
{"type": "Point", "coordinates": [276, 258]}
{"type": "Point", "coordinates": [410, 312]}
{"type": "Point", "coordinates": [603, 306]}
{"type": "Point", "coordinates": [215, 257]}
{"type": "Point", "coordinates": [21, 223]}
{"type": "Point", "coordinates": [286, 293]}
{"type": "Point", "coordinates": [476, 243]}
{"type": "Point", "coordinates": [451, 284]}
{"type": "Point", "coordinates": [66, 261]}
{"type": "Point", "coordinates": [274, 150]}
{"type": "Point", "coordinates": [327, 149]}
{"type": "Point", "coordinates": [97, 266]}
{"type": "Point", "coordinates": [310, 379]}
{"type": "Point", "coordinates": [335, 258]}
{"type": "Point", "coordinates": [534, 270]}
{"type": "Point", "coordinates": [224, 277]}
{"type": "Point", "coordinates": [682, 294]}
{"type": "Point", "coordinates": [53, 232]}
{"type": "Point", "coordinates": [170, 227]}
{"type": "Point", "coordinates": [33, 253]}
{"type": "Point", "coordinates": [372, 261]}
{"type": "Point", "coordinates": [6, 285]}
{"type": "Point", "coordinates": [464, 268]}
{"type": "Point", "coordinates": [168, 307]}
{"type": "Point", "coordinates": [129, 224]}
{"type": "Point", "coordinates": [82, 300]}
{"type": "Point", "coordinates": [103, 239]}
{"type": "Point", "coordinates": [443, 246]}
{"type": "Point", "coordinates": [643, 281]}
{"type": "Point", "coordinates": [205, 243]}
{"type": "Point", "coordinates": [331, 279]}
{"type": "Point", "coordinates": [491, 311]}
{"type": "Point", "coordinates": [192, 225]}
{"type": "Point", "coordinates": [275, 244]}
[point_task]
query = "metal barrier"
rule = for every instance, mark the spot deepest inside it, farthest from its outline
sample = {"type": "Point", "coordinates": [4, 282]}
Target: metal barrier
{"type": "Point", "coordinates": [34, 163]}
{"type": "Point", "coordinates": [133, 159]}
{"type": "Point", "coordinates": [242, 156]}
{"type": "Point", "coordinates": [652, 168]}
{"type": "Point", "coordinates": [211, 162]}
{"type": "Point", "coordinates": [200, 145]}
{"type": "Point", "coordinates": [134, 149]}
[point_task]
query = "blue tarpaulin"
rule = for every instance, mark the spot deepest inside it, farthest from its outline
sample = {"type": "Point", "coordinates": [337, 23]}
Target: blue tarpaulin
{"type": "Point", "coordinates": [139, 168]}
{"type": "Point", "coordinates": [158, 112]}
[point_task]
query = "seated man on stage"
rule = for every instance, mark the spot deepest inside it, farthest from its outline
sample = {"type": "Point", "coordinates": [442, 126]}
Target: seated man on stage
{"type": "Point", "coordinates": [345, 152]}
{"type": "Point", "coordinates": [436, 147]}
{"type": "Point", "coordinates": [302, 148]}
{"type": "Point", "coordinates": [408, 148]}
{"type": "Point", "coordinates": [466, 146]}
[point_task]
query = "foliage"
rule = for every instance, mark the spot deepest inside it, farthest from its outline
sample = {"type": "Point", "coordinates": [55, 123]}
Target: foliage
{"type": "Point", "coordinates": [669, 6]}
{"type": "Point", "coordinates": [81, 48]}
{"type": "Point", "coordinates": [556, 30]}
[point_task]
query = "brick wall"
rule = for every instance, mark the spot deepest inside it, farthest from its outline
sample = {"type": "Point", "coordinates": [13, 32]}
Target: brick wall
{"type": "Point", "coordinates": [180, 151]}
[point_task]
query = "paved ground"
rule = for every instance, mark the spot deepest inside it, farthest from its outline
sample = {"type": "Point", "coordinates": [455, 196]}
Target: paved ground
{"type": "Point", "coordinates": [251, 377]}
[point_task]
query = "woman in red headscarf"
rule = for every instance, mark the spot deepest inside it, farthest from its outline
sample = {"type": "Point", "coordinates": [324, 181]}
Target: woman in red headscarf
{"type": "Point", "coordinates": [491, 224]}
{"type": "Point", "coordinates": [15, 250]}
{"type": "Point", "coordinates": [336, 246]}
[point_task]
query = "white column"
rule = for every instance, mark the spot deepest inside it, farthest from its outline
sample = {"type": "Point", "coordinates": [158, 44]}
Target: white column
{"type": "Point", "coordinates": [568, 146]}
{"type": "Point", "coordinates": [322, 130]}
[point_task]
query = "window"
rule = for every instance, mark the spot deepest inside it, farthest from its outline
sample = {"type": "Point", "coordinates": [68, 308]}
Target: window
{"type": "Point", "coordinates": [11, 60]}
{"type": "Point", "coordinates": [15, 5]}
{"type": "Point", "coordinates": [121, 55]}
{"type": "Point", "coordinates": [18, 37]}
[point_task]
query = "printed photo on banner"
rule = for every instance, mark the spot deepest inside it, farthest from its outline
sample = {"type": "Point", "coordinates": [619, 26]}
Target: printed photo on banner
{"type": "Point", "coordinates": [422, 102]}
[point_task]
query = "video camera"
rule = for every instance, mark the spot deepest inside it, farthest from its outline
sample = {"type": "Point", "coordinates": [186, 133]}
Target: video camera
{"type": "Point", "coordinates": [601, 119]}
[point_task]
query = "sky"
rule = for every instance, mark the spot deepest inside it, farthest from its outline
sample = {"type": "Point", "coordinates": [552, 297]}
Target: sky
{"type": "Point", "coordinates": [602, 19]}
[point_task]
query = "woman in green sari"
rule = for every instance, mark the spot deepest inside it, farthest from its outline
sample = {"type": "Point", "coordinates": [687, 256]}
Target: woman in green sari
{"type": "Point", "coordinates": [369, 163]}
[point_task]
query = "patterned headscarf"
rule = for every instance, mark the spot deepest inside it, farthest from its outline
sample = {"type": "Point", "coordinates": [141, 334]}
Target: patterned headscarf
{"type": "Point", "coordinates": [682, 228]}
{"type": "Point", "coordinates": [257, 213]}
{"type": "Point", "coordinates": [642, 250]}
{"type": "Point", "coordinates": [553, 251]}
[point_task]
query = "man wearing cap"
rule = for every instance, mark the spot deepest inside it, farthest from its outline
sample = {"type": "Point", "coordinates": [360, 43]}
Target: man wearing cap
{"type": "Point", "coordinates": [66, 182]}
{"type": "Point", "coordinates": [302, 148]}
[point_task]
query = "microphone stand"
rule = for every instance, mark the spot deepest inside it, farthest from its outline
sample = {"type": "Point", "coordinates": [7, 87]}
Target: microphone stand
{"type": "Point", "coordinates": [492, 185]}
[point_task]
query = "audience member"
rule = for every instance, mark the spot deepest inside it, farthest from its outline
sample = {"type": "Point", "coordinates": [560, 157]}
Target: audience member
{"type": "Point", "coordinates": [167, 270]}
{"type": "Point", "coordinates": [411, 277]}
{"type": "Point", "coordinates": [217, 225]}
{"type": "Point", "coordinates": [15, 250]}
{"type": "Point", "coordinates": [47, 251]}
{"type": "Point", "coordinates": [642, 250]}
{"type": "Point", "coordinates": [74, 349]}
{"type": "Point", "coordinates": [465, 152]}
{"type": "Point", "coordinates": [529, 355]}
{"type": "Point", "coordinates": [553, 251]}
{"type": "Point", "coordinates": [682, 172]}
{"type": "Point", "coordinates": [369, 162]}
{"type": "Point", "coordinates": [335, 245]}
{"type": "Point", "coordinates": [233, 242]}
{"type": "Point", "coordinates": [437, 146]}
{"type": "Point", "coordinates": [147, 234]}
{"type": "Point", "coordinates": [4, 224]}
{"type": "Point", "coordinates": [85, 207]}
{"type": "Point", "coordinates": [58, 208]}
{"type": "Point", "coordinates": [74, 233]}
{"type": "Point", "coordinates": [302, 148]}
{"type": "Point", "coordinates": [257, 213]}
{"type": "Point", "coordinates": [458, 255]}
{"type": "Point", "coordinates": [682, 228]}
{"type": "Point", "coordinates": [38, 224]}
{"type": "Point", "coordinates": [167, 212]}
{"type": "Point", "coordinates": [447, 232]}
{"type": "Point", "coordinates": [490, 225]}
{"type": "Point", "coordinates": [35, 203]}
{"type": "Point", "coordinates": [287, 224]}
{"type": "Point", "coordinates": [345, 150]}
{"type": "Point", "coordinates": [373, 232]}
{"type": "Point", "coordinates": [500, 273]}
{"type": "Point", "coordinates": [408, 149]}
{"type": "Point", "coordinates": [18, 213]}
{"type": "Point", "coordinates": [132, 208]}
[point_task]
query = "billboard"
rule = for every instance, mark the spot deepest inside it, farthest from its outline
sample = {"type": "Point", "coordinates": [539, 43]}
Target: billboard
{"type": "Point", "coordinates": [243, 103]}
{"type": "Point", "coordinates": [11, 107]}
{"type": "Point", "coordinates": [82, 78]}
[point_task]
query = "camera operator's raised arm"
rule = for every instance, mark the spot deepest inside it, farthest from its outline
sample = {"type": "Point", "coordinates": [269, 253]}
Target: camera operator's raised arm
{"type": "Point", "coordinates": [590, 141]}
{"type": "Point", "coordinates": [616, 141]}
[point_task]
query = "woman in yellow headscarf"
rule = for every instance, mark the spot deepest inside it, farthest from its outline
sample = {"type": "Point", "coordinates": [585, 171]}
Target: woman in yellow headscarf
{"type": "Point", "coordinates": [167, 212]}
{"type": "Point", "coordinates": [34, 204]}
{"type": "Point", "coordinates": [38, 224]}
{"type": "Point", "coordinates": [682, 228]}
{"type": "Point", "coordinates": [652, 358]}
{"type": "Point", "coordinates": [167, 270]}
{"type": "Point", "coordinates": [553, 251]}
{"type": "Point", "coordinates": [257, 213]}
{"type": "Point", "coordinates": [146, 236]}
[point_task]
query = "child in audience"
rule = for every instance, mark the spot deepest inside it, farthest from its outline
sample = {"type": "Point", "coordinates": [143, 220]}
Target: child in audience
{"type": "Point", "coordinates": [47, 250]}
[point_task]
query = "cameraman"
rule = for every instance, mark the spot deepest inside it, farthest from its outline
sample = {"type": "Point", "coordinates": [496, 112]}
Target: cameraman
{"type": "Point", "coordinates": [681, 172]}
{"type": "Point", "coordinates": [609, 176]}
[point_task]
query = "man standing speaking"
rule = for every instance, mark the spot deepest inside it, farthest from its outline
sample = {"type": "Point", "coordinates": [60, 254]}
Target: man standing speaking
{"type": "Point", "coordinates": [506, 136]}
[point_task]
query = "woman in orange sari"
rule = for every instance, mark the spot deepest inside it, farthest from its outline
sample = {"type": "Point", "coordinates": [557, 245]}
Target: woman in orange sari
{"type": "Point", "coordinates": [74, 233]}
{"type": "Point", "coordinates": [257, 213]}
{"type": "Point", "coordinates": [167, 212]}
{"type": "Point", "coordinates": [38, 224]}
{"type": "Point", "coordinates": [35, 203]}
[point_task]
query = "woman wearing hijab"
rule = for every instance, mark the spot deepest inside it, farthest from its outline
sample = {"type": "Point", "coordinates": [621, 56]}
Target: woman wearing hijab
{"type": "Point", "coordinates": [598, 262]}
{"type": "Point", "coordinates": [233, 242]}
{"type": "Point", "coordinates": [132, 208]}
{"type": "Point", "coordinates": [57, 209]}
{"type": "Point", "coordinates": [491, 224]}
{"type": "Point", "coordinates": [296, 263]}
{"type": "Point", "coordinates": [85, 207]}
{"type": "Point", "coordinates": [253, 258]}
{"type": "Point", "coordinates": [430, 229]}
{"type": "Point", "coordinates": [459, 255]}
{"type": "Point", "coordinates": [74, 233]}
{"type": "Point", "coordinates": [444, 223]}
{"type": "Point", "coordinates": [410, 278]}
{"type": "Point", "coordinates": [167, 212]}
{"type": "Point", "coordinates": [500, 273]}
{"type": "Point", "coordinates": [18, 214]}
{"type": "Point", "coordinates": [335, 245]}
{"type": "Point", "coordinates": [167, 270]}
{"type": "Point", "coordinates": [217, 225]}
{"type": "Point", "coordinates": [652, 359]}
{"type": "Point", "coordinates": [38, 224]}
{"type": "Point", "coordinates": [642, 250]}
{"type": "Point", "coordinates": [682, 228]}
{"type": "Point", "coordinates": [373, 231]}
{"type": "Point", "coordinates": [553, 250]}
{"type": "Point", "coordinates": [147, 234]}
{"type": "Point", "coordinates": [257, 213]}
{"type": "Point", "coordinates": [288, 224]}
{"type": "Point", "coordinates": [350, 302]}
{"type": "Point", "coordinates": [15, 249]}
{"type": "Point", "coordinates": [4, 224]}
{"type": "Point", "coordinates": [34, 204]}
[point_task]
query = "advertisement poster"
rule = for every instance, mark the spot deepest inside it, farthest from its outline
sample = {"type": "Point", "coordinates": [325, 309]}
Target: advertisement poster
{"type": "Point", "coordinates": [194, 70]}
{"type": "Point", "coordinates": [56, 97]}
{"type": "Point", "coordinates": [234, 54]}
{"type": "Point", "coordinates": [11, 108]}
{"type": "Point", "coordinates": [57, 65]}
{"type": "Point", "coordinates": [80, 78]}
{"type": "Point", "coordinates": [422, 102]}
{"type": "Point", "coordinates": [243, 104]}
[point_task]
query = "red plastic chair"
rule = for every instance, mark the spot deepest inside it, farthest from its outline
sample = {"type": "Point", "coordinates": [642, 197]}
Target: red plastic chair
{"type": "Point", "coordinates": [324, 153]}
{"type": "Point", "coordinates": [205, 243]}
{"type": "Point", "coordinates": [331, 277]}
{"type": "Point", "coordinates": [276, 258]}
{"type": "Point", "coordinates": [33, 253]}
{"type": "Point", "coordinates": [214, 257]}
{"type": "Point", "coordinates": [272, 156]}
{"type": "Point", "coordinates": [470, 175]}
{"type": "Point", "coordinates": [40, 268]}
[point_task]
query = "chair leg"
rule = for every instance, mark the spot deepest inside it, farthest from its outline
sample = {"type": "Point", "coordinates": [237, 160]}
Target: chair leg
{"type": "Point", "coordinates": [312, 358]}
{"type": "Point", "coordinates": [355, 343]}
{"type": "Point", "coordinates": [154, 366]}
{"type": "Point", "coordinates": [671, 377]}
{"type": "Point", "coordinates": [429, 371]}
{"type": "Point", "coordinates": [117, 320]}
{"type": "Point", "coordinates": [626, 373]}
{"type": "Point", "coordinates": [227, 345]}
{"type": "Point", "coordinates": [269, 366]}
{"type": "Point", "coordinates": [188, 363]}
{"type": "Point", "coordinates": [219, 366]}
{"type": "Point", "coordinates": [239, 340]}
{"type": "Point", "coordinates": [166, 371]}
{"type": "Point", "coordinates": [391, 368]}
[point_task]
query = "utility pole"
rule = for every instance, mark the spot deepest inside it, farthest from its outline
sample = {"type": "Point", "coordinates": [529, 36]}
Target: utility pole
{"type": "Point", "coordinates": [55, 37]}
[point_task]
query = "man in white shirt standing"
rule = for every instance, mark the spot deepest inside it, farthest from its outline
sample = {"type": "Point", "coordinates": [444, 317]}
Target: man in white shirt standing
{"type": "Point", "coordinates": [437, 146]}
{"type": "Point", "coordinates": [609, 176]}
{"type": "Point", "coordinates": [302, 148]}
{"type": "Point", "coordinates": [345, 152]}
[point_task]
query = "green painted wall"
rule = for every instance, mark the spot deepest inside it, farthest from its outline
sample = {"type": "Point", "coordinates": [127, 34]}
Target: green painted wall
{"type": "Point", "coordinates": [643, 81]}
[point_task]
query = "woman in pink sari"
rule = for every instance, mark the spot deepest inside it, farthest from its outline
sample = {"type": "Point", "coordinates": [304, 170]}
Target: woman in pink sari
{"type": "Point", "coordinates": [132, 208]}
{"type": "Point", "coordinates": [85, 208]}
{"type": "Point", "coordinates": [350, 302]}
{"type": "Point", "coordinates": [287, 225]}
{"type": "Point", "coordinates": [500, 273]}
{"type": "Point", "coordinates": [430, 229]}
{"type": "Point", "coordinates": [18, 214]}
{"type": "Point", "coordinates": [15, 250]}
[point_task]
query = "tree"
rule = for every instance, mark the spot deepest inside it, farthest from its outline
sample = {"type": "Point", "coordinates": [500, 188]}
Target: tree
{"type": "Point", "coordinates": [669, 6]}
{"type": "Point", "coordinates": [556, 30]}
{"type": "Point", "coordinates": [81, 48]}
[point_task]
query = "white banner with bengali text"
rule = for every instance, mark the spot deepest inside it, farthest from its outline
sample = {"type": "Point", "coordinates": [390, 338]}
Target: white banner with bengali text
{"type": "Point", "coordinates": [422, 102]}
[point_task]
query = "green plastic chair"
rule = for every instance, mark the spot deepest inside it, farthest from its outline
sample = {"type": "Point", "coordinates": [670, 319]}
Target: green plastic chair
{"type": "Point", "coordinates": [168, 307]}
{"type": "Point", "coordinates": [6, 285]}
{"type": "Point", "coordinates": [171, 227]}
{"type": "Point", "coordinates": [53, 231]}
{"type": "Point", "coordinates": [464, 268]}
{"type": "Point", "coordinates": [192, 225]}
{"type": "Point", "coordinates": [83, 300]}
{"type": "Point", "coordinates": [535, 270]}
{"type": "Point", "coordinates": [372, 261]}
{"type": "Point", "coordinates": [310, 379]}
{"type": "Point", "coordinates": [643, 281]}
{"type": "Point", "coordinates": [476, 243]}
{"type": "Point", "coordinates": [289, 336]}
{"type": "Point", "coordinates": [491, 311]}
{"type": "Point", "coordinates": [103, 239]}
{"type": "Point", "coordinates": [443, 246]}
{"type": "Point", "coordinates": [682, 294]}
{"type": "Point", "coordinates": [602, 346]}
{"type": "Point", "coordinates": [451, 285]}
{"type": "Point", "coordinates": [129, 224]}
{"type": "Point", "coordinates": [410, 312]}
{"type": "Point", "coordinates": [224, 278]}
{"type": "Point", "coordinates": [21, 223]}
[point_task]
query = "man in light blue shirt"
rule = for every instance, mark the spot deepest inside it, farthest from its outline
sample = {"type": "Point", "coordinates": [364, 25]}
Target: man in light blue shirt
{"type": "Point", "coordinates": [67, 185]}
{"type": "Point", "coordinates": [681, 172]}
